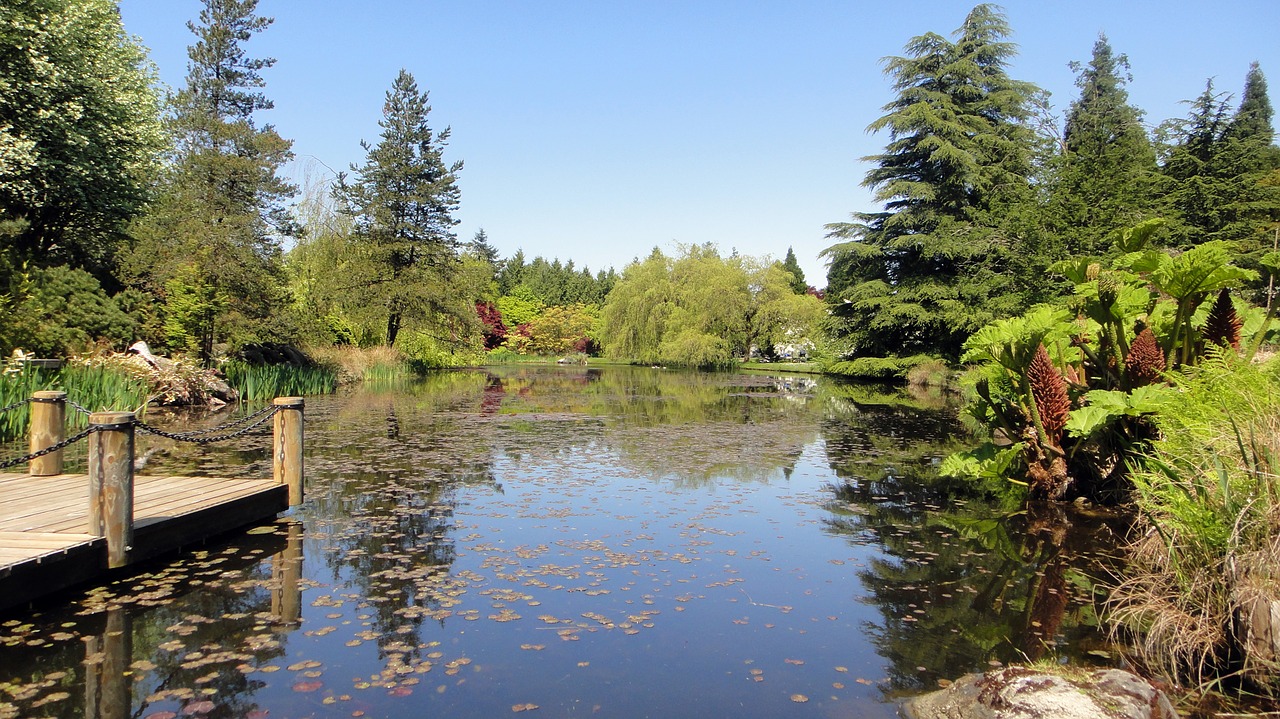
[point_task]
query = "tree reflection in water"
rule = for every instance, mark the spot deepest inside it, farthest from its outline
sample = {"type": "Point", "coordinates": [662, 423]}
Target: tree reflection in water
{"type": "Point", "coordinates": [131, 650]}
{"type": "Point", "coordinates": [967, 579]}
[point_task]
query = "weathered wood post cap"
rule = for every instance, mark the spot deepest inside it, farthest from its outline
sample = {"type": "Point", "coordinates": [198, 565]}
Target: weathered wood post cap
{"type": "Point", "coordinates": [49, 395]}
{"type": "Point", "coordinates": [112, 420]}
{"type": "Point", "coordinates": [290, 402]}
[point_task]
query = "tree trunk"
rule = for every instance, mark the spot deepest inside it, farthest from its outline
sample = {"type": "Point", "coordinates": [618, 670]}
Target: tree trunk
{"type": "Point", "coordinates": [393, 327]}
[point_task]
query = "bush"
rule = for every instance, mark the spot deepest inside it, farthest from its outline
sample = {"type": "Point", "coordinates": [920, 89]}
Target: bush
{"type": "Point", "coordinates": [424, 352]}
{"type": "Point", "coordinates": [61, 311]}
{"type": "Point", "coordinates": [882, 369]}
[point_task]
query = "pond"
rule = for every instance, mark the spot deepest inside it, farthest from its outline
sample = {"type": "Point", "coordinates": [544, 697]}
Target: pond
{"type": "Point", "coordinates": [619, 541]}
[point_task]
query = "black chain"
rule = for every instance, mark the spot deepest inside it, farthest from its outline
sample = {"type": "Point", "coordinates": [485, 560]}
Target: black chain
{"type": "Point", "coordinates": [15, 405]}
{"type": "Point", "coordinates": [48, 450]}
{"type": "Point", "coordinates": [78, 407]}
{"type": "Point", "coordinates": [269, 409]}
{"type": "Point", "coordinates": [196, 436]}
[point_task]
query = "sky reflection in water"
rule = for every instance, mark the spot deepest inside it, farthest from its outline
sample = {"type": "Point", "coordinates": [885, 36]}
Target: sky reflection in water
{"type": "Point", "coordinates": [573, 541]}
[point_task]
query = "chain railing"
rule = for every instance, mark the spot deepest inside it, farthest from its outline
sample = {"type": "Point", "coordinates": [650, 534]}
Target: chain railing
{"type": "Point", "coordinates": [200, 436]}
{"type": "Point", "coordinates": [207, 436]}
{"type": "Point", "coordinates": [48, 450]}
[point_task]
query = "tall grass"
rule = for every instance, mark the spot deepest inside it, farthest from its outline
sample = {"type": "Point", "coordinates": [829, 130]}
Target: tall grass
{"type": "Point", "coordinates": [1205, 566]}
{"type": "Point", "coordinates": [264, 382]}
{"type": "Point", "coordinates": [96, 388]}
{"type": "Point", "coordinates": [376, 365]}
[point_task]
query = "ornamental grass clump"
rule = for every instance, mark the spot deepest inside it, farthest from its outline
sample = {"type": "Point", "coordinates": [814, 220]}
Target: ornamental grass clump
{"type": "Point", "coordinates": [1201, 594]}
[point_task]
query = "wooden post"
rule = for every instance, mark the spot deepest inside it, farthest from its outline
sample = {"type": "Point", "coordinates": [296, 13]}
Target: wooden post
{"type": "Point", "coordinates": [108, 679]}
{"type": "Point", "coordinates": [286, 575]}
{"type": "Point", "coordinates": [48, 427]}
{"type": "Point", "coordinates": [287, 444]}
{"type": "Point", "coordinates": [111, 483]}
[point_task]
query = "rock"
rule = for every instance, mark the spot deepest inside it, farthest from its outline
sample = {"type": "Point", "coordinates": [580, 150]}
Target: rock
{"type": "Point", "coordinates": [1022, 693]}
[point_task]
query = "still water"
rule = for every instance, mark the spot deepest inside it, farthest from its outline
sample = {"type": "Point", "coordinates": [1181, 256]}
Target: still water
{"type": "Point", "coordinates": [619, 542]}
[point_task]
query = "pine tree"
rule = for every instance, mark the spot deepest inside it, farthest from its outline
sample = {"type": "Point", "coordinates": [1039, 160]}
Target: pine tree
{"type": "Point", "coordinates": [480, 247]}
{"type": "Point", "coordinates": [1225, 174]}
{"type": "Point", "coordinates": [792, 265]}
{"type": "Point", "coordinates": [925, 272]}
{"type": "Point", "coordinates": [403, 198]}
{"type": "Point", "coordinates": [215, 230]}
{"type": "Point", "coordinates": [1107, 169]}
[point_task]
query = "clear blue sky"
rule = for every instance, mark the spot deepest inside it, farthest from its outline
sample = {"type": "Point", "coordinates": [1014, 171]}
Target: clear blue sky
{"type": "Point", "coordinates": [597, 129]}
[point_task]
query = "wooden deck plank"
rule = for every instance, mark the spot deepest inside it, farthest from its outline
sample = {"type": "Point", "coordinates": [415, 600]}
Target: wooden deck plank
{"type": "Point", "coordinates": [45, 544]}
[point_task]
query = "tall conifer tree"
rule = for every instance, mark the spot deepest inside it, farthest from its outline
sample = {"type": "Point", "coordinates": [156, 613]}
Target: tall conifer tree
{"type": "Point", "coordinates": [211, 245]}
{"type": "Point", "coordinates": [925, 272]}
{"type": "Point", "coordinates": [1225, 173]}
{"type": "Point", "coordinates": [1106, 173]}
{"type": "Point", "coordinates": [403, 198]}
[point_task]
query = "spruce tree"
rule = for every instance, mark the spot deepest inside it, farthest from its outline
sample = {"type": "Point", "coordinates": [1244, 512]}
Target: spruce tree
{"type": "Point", "coordinates": [1106, 172]}
{"type": "Point", "coordinates": [1224, 170]}
{"type": "Point", "coordinates": [402, 199]}
{"type": "Point", "coordinates": [923, 273]}
{"type": "Point", "coordinates": [792, 265]}
{"type": "Point", "coordinates": [215, 231]}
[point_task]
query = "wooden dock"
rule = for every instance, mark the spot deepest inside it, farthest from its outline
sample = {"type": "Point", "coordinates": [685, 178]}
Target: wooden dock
{"type": "Point", "coordinates": [46, 545]}
{"type": "Point", "coordinates": [60, 530]}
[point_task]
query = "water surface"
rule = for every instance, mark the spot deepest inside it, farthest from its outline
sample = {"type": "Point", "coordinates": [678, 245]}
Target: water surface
{"type": "Point", "coordinates": [619, 542]}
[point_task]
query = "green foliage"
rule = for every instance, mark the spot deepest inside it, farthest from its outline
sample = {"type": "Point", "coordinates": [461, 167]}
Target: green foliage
{"type": "Point", "coordinates": [1105, 175]}
{"type": "Point", "coordinates": [792, 265]}
{"type": "Point", "coordinates": [402, 200]}
{"type": "Point", "coordinates": [258, 383]}
{"type": "Point", "coordinates": [80, 136]}
{"type": "Point", "coordinates": [702, 309]}
{"type": "Point", "coordinates": [883, 369]}
{"type": "Point", "coordinates": [1223, 174]}
{"type": "Point", "coordinates": [96, 387]}
{"type": "Point", "coordinates": [558, 330]}
{"type": "Point", "coordinates": [1110, 376]}
{"type": "Point", "coordinates": [191, 306]}
{"type": "Point", "coordinates": [60, 311]}
{"type": "Point", "coordinates": [520, 307]}
{"type": "Point", "coordinates": [1209, 503]}
{"type": "Point", "coordinates": [220, 213]}
{"type": "Point", "coordinates": [553, 283]}
{"type": "Point", "coordinates": [926, 271]}
{"type": "Point", "coordinates": [425, 352]}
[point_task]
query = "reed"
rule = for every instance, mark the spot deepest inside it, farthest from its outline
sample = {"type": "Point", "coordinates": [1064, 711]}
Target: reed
{"type": "Point", "coordinates": [264, 382]}
{"type": "Point", "coordinates": [95, 388]}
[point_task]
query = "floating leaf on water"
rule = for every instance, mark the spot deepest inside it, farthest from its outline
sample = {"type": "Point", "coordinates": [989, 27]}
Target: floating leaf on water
{"type": "Point", "coordinates": [799, 698]}
{"type": "Point", "coordinates": [161, 715]}
{"type": "Point", "coordinates": [200, 707]}
{"type": "Point", "coordinates": [400, 692]}
{"type": "Point", "coordinates": [307, 686]}
{"type": "Point", "coordinates": [262, 530]}
{"type": "Point", "coordinates": [842, 669]}
{"type": "Point", "coordinates": [523, 707]}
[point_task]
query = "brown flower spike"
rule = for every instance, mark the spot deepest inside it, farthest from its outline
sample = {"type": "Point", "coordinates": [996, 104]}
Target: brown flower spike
{"type": "Point", "coordinates": [1145, 361]}
{"type": "Point", "coordinates": [1223, 326]}
{"type": "Point", "coordinates": [1049, 391]}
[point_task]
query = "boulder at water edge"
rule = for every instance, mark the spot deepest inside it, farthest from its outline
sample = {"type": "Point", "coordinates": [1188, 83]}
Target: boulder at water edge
{"type": "Point", "coordinates": [1022, 693]}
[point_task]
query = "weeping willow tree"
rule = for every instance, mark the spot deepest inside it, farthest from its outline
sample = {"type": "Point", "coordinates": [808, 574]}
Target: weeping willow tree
{"type": "Point", "coordinates": [702, 309]}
